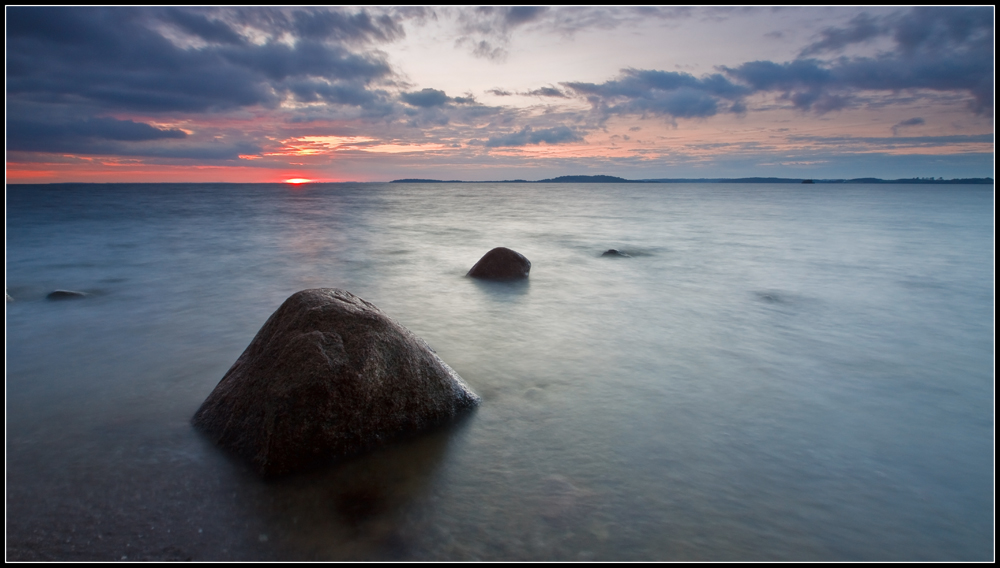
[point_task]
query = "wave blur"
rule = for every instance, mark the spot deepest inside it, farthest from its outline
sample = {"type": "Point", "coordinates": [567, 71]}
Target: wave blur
{"type": "Point", "coordinates": [773, 372]}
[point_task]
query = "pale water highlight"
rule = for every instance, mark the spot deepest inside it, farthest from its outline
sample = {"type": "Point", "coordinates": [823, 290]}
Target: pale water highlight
{"type": "Point", "coordinates": [775, 372]}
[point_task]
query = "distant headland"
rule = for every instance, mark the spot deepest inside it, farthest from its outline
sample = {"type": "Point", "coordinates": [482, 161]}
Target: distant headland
{"type": "Point", "coordinates": [615, 179]}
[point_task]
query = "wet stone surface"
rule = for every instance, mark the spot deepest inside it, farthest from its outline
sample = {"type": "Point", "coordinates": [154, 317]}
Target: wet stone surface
{"type": "Point", "coordinates": [501, 264]}
{"type": "Point", "coordinates": [329, 375]}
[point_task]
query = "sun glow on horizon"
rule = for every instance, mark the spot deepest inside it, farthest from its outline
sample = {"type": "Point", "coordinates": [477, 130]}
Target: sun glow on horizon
{"type": "Point", "coordinates": [298, 181]}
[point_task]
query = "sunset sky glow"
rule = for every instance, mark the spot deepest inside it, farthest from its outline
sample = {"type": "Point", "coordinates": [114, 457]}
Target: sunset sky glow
{"type": "Point", "coordinates": [162, 94]}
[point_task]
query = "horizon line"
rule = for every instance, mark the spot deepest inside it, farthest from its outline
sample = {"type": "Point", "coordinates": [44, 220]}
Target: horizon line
{"type": "Point", "coordinates": [570, 179]}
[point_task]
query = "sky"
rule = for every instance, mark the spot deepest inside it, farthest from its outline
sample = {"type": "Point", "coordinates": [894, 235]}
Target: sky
{"type": "Point", "coordinates": [234, 94]}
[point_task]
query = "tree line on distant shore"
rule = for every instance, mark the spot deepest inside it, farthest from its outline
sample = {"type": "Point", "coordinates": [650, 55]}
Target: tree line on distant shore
{"type": "Point", "coordinates": [615, 179]}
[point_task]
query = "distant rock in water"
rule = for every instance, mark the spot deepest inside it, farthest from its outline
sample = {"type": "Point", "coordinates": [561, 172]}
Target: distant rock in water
{"type": "Point", "coordinates": [328, 375]}
{"type": "Point", "coordinates": [419, 180]}
{"type": "Point", "coordinates": [616, 252]}
{"type": "Point", "coordinates": [585, 179]}
{"type": "Point", "coordinates": [65, 295]}
{"type": "Point", "coordinates": [501, 264]}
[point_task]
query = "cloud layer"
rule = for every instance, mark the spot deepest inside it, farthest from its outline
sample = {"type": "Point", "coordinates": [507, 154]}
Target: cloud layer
{"type": "Point", "coordinates": [236, 85]}
{"type": "Point", "coordinates": [663, 93]}
{"type": "Point", "coordinates": [937, 49]}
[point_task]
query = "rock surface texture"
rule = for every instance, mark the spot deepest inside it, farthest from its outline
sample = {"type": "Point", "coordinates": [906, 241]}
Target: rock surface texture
{"type": "Point", "coordinates": [501, 264]}
{"type": "Point", "coordinates": [328, 375]}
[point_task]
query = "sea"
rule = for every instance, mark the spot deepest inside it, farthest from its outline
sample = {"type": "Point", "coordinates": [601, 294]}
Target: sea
{"type": "Point", "coordinates": [768, 372]}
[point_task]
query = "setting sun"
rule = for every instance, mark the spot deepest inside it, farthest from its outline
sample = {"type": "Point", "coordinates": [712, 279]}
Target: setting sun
{"type": "Point", "coordinates": [298, 181]}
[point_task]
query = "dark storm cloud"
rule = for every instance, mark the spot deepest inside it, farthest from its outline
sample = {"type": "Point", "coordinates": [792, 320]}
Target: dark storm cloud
{"type": "Point", "coordinates": [861, 28]}
{"type": "Point", "coordinates": [941, 49]}
{"type": "Point", "coordinates": [944, 28]}
{"type": "Point", "coordinates": [319, 24]}
{"type": "Point", "coordinates": [547, 92]}
{"type": "Point", "coordinates": [107, 57]}
{"type": "Point", "coordinates": [518, 15]}
{"type": "Point", "coordinates": [340, 93]}
{"type": "Point", "coordinates": [770, 76]}
{"type": "Point", "coordinates": [668, 93]}
{"type": "Point", "coordinates": [361, 26]}
{"type": "Point", "coordinates": [924, 28]}
{"type": "Point", "coordinates": [278, 61]}
{"type": "Point", "coordinates": [98, 58]}
{"type": "Point", "coordinates": [527, 136]}
{"type": "Point", "coordinates": [807, 82]}
{"type": "Point", "coordinates": [425, 98]}
{"type": "Point", "coordinates": [109, 136]}
{"type": "Point", "coordinates": [212, 31]}
{"type": "Point", "coordinates": [86, 62]}
{"type": "Point", "coordinates": [26, 135]}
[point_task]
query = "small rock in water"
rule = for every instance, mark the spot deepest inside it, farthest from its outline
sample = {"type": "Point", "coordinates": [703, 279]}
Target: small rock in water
{"type": "Point", "coordinates": [327, 376]}
{"type": "Point", "coordinates": [615, 252]}
{"type": "Point", "coordinates": [65, 295]}
{"type": "Point", "coordinates": [501, 264]}
{"type": "Point", "coordinates": [771, 297]}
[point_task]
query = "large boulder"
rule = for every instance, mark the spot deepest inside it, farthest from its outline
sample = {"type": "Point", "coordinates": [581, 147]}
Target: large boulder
{"type": "Point", "coordinates": [327, 376]}
{"type": "Point", "coordinates": [501, 264]}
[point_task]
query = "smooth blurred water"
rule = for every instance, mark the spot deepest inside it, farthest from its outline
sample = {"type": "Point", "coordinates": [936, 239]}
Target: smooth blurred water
{"type": "Point", "coordinates": [776, 372]}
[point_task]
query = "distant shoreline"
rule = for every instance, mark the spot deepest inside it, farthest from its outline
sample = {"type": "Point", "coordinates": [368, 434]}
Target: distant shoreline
{"type": "Point", "coordinates": [574, 179]}
{"type": "Point", "coordinates": [614, 179]}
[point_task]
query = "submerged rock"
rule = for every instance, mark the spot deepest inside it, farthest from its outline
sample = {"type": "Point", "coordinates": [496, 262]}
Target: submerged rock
{"type": "Point", "coordinates": [327, 376]}
{"type": "Point", "coordinates": [616, 252]}
{"type": "Point", "coordinates": [501, 264]}
{"type": "Point", "coordinates": [65, 295]}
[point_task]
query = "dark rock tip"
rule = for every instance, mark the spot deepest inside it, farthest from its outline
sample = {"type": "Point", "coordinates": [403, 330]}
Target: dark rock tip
{"type": "Point", "coordinates": [501, 263]}
{"type": "Point", "coordinates": [615, 252]}
{"type": "Point", "coordinates": [65, 295]}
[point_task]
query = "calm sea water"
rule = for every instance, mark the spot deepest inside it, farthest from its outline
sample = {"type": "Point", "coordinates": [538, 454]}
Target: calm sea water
{"type": "Point", "coordinates": [776, 372]}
